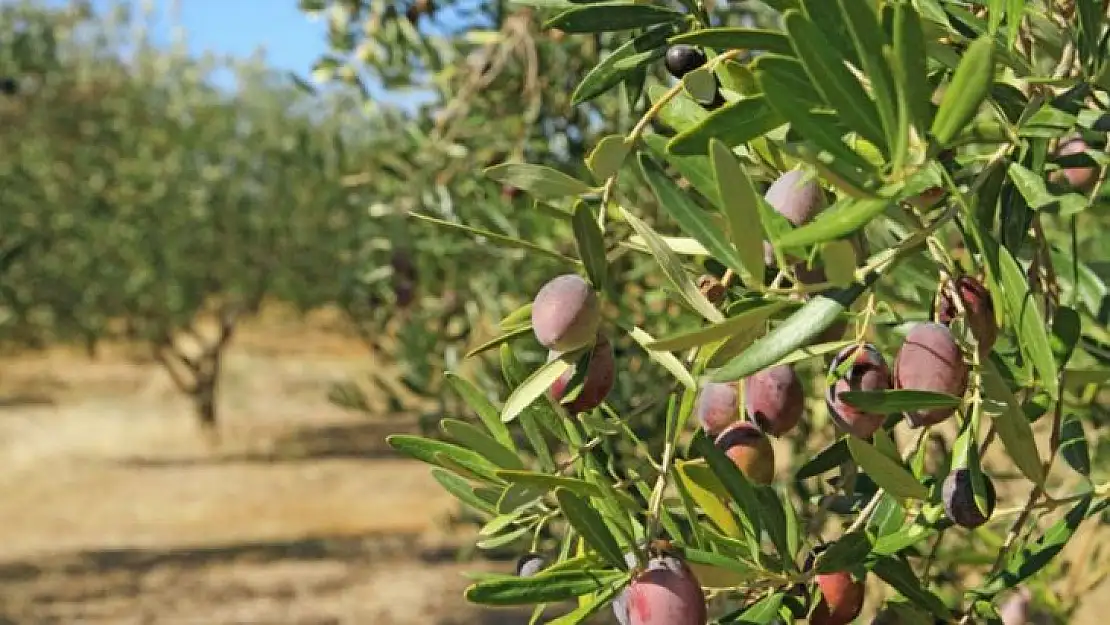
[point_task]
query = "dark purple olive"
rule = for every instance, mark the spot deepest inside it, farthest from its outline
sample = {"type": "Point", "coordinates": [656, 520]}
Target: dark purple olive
{"type": "Point", "coordinates": [868, 372]}
{"type": "Point", "coordinates": [930, 360]}
{"type": "Point", "coordinates": [959, 499]}
{"type": "Point", "coordinates": [682, 59]}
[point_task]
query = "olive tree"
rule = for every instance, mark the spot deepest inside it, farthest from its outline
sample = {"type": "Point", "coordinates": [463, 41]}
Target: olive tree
{"type": "Point", "coordinates": [158, 208]}
{"type": "Point", "coordinates": [881, 400]}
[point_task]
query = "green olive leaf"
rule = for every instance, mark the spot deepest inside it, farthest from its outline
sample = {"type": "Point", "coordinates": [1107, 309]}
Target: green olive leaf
{"type": "Point", "coordinates": [545, 587]}
{"type": "Point", "coordinates": [888, 474]}
{"type": "Point", "coordinates": [590, 526]}
{"type": "Point", "coordinates": [730, 38]}
{"type": "Point", "coordinates": [533, 387]}
{"type": "Point", "coordinates": [483, 407]}
{"type": "Point", "coordinates": [610, 16]}
{"type": "Point", "coordinates": [475, 439]}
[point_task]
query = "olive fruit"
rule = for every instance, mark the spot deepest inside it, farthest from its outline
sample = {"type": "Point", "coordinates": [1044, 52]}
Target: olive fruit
{"type": "Point", "coordinates": [930, 360]}
{"type": "Point", "coordinates": [1015, 609]}
{"type": "Point", "coordinates": [775, 399]}
{"type": "Point", "coordinates": [566, 313]}
{"type": "Point", "coordinates": [750, 450]}
{"type": "Point", "coordinates": [529, 564]}
{"type": "Point", "coordinates": [717, 406]}
{"type": "Point", "coordinates": [959, 499]}
{"type": "Point", "coordinates": [682, 59]}
{"type": "Point", "coordinates": [1081, 178]}
{"type": "Point", "coordinates": [600, 375]}
{"type": "Point", "coordinates": [868, 372]}
{"type": "Point", "coordinates": [666, 592]}
{"type": "Point", "coordinates": [841, 599]}
{"type": "Point", "coordinates": [979, 306]}
{"type": "Point", "coordinates": [797, 196]}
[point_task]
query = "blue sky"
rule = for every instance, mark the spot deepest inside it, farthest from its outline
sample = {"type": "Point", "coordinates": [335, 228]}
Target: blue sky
{"type": "Point", "coordinates": [291, 40]}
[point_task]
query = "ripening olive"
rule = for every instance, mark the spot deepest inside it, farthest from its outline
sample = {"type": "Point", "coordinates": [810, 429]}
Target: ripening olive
{"type": "Point", "coordinates": [959, 499]}
{"type": "Point", "coordinates": [1079, 178]}
{"type": "Point", "coordinates": [750, 450]}
{"type": "Point", "coordinates": [841, 599]}
{"type": "Point", "coordinates": [529, 564]}
{"type": "Point", "coordinates": [717, 406]}
{"type": "Point", "coordinates": [979, 306]}
{"type": "Point", "coordinates": [666, 592]}
{"type": "Point", "coordinates": [566, 313]}
{"type": "Point", "coordinates": [930, 360]}
{"type": "Point", "coordinates": [600, 375]}
{"type": "Point", "coordinates": [775, 399]}
{"type": "Point", "coordinates": [868, 372]}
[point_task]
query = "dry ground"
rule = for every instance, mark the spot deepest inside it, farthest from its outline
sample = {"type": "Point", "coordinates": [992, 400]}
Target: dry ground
{"type": "Point", "coordinates": [112, 511]}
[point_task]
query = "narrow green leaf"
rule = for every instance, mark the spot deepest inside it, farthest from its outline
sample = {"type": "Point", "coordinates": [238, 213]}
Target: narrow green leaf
{"type": "Point", "coordinates": [867, 34]}
{"type": "Point", "coordinates": [831, 77]}
{"type": "Point", "coordinates": [503, 539]}
{"type": "Point", "coordinates": [901, 577]}
{"type": "Point", "coordinates": [550, 482]}
{"type": "Point", "coordinates": [500, 339]}
{"type": "Point", "coordinates": [813, 318]}
{"type": "Point", "coordinates": [513, 372]}
{"type": "Point", "coordinates": [741, 207]}
{"type": "Point", "coordinates": [827, 459]}
{"type": "Point", "coordinates": [1025, 315]}
{"type": "Point", "coordinates": [747, 320]}
{"type": "Point", "coordinates": [845, 553]}
{"type": "Point", "coordinates": [481, 406]}
{"type": "Point", "coordinates": [546, 587]}
{"type": "Point", "coordinates": [1031, 186]}
{"type": "Point", "coordinates": [672, 268]}
{"type": "Point", "coordinates": [589, 524]}
{"type": "Point", "coordinates": [774, 521]}
{"type": "Point", "coordinates": [536, 385]}
{"type": "Point", "coordinates": [543, 183]}
{"type": "Point", "coordinates": [1024, 563]}
{"type": "Point", "coordinates": [700, 484]}
{"type": "Point", "coordinates": [734, 123]}
{"type": "Point", "coordinates": [499, 239]}
{"type": "Point", "coordinates": [518, 497]}
{"type": "Point", "coordinates": [906, 537]}
{"type": "Point", "coordinates": [967, 90]}
{"type": "Point", "coordinates": [791, 73]}
{"type": "Point", "coordinates": [431, 451]}
{"type": "Point", "coordinates": [664, 359]}
{"type": "Point", "coordinates": [610, 16]}
{"type": "Point", "coordinates": [716, 570]}
{"type": "Point", "coordinates": [681, 112]}
{"type": "Point", "coordinates": [616, 67]}
{"type": "Point", "coordinates": [762, 612]}
{"type": "Point", "coordinates": [891, 476]}
{"type": "Point", "coordinates": [608, 156]}
{"type": "Point", "coordinates": [590, 606]}
{"type": "Point", "coordinates": [730, 38]}
{"type": "Point", "coordinates": [1073, 445]}
{"type": "Point", "coordinates": [735, 482]}
{"type": "Point", "coordinates": [813, 127]}
{"type": "Point", "coordinates": [697, 169]}
{"type": "Point", "coordinates": [591, 245]}
{"type": "Point", "coordinates": [475, 439]}
{"type": "Point", "coordinates": [841, 219]}
{"type": "Point", "coordinates": [462, 490]}
{"type": "Point", "coordinates": [690, 217]}
{"type": "Point", "coordinates": [701, 84]}
{"type": "Point", "coordinates": [1010, 423]}
{"type": "Point", "coordinates": [896, 401]}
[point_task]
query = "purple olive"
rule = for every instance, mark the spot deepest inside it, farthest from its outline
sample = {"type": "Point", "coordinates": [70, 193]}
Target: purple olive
{"type": "Point", "coordinates": [775, 399]}
{"type": "Point", "coordinates": [868, 372]}
{"type": "Point", "coordinates": [959, 499]}
{"type": "Point", "coordinates": [683, 59]}
{"type": "Point", "coordinates": [979, 306]}
{"type": "Point", "coordinates": [600, 375]}
{"type": "Point", "coordinates": [529, 564]}
{"type": "Point", "coordinates": [717, 406]}
{"type": "Point", "coordinates": [566, 313]}
{"type": "Point", "coordinates": [666, 592]}
{"type": "Point", "coordinates": [930, 360]}
{"type": "Point", "coordinates": [1080, 178]}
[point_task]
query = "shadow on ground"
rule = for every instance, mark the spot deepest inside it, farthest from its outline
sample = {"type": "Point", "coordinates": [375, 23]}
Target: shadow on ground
{"type": "Point", "coordinates": [152, 586]}
{"type": "Point", "coordinates": [347, 441]}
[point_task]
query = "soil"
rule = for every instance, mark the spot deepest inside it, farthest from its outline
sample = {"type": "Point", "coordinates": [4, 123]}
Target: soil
{"type": "Point", "coordinates": [115, 510]}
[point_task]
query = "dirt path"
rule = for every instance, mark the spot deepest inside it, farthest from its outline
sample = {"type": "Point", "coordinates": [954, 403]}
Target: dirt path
{"type": "Point", "coordinates": [113, 511]}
